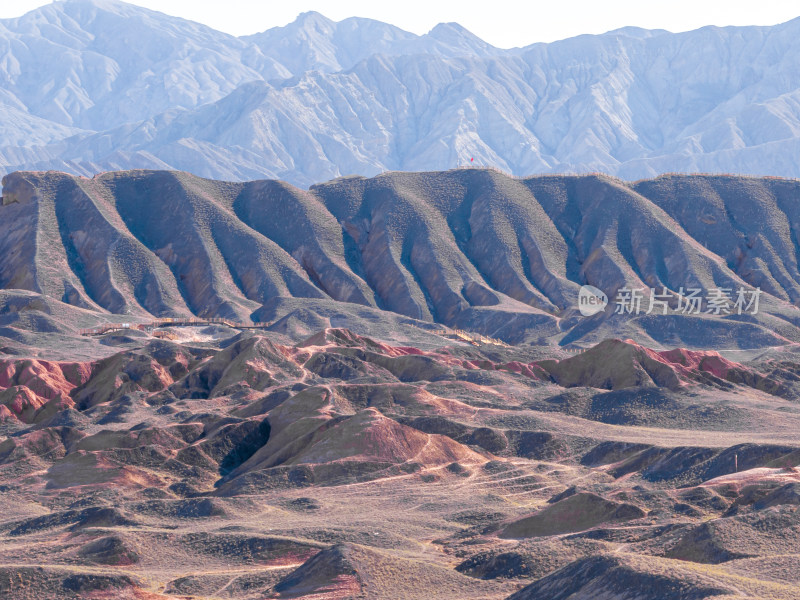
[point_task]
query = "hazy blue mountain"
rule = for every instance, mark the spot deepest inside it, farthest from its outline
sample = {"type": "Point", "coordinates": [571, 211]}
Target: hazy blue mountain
{"type": "Point", "coordinates": [94, 85]}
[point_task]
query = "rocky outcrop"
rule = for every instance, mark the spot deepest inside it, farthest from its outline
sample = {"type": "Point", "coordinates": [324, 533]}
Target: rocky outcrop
{"type": "Point", "coordinates": [606, 576]}
{"type": "Point", "coordinates": [32, 390]}
{"type": "Point", "coordinates": [575, 513]}
{"type": "Point", "coordinates": [617, 364]}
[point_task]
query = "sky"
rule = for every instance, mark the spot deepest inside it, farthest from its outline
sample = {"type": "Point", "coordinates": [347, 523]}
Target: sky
{"type": "Point", "coordinates": [502, 23]}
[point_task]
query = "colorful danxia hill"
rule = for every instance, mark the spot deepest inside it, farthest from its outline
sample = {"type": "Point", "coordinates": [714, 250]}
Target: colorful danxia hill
{"type": "Point", "coordinates": [385, 388]}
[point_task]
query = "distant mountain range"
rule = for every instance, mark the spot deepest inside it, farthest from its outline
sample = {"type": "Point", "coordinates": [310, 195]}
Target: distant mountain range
{"type": "Point", "coordinates": [96, 85]}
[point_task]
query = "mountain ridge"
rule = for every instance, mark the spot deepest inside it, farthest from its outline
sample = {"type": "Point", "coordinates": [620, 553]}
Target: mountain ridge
{"type": "Point", "coordinates": [97, 86]}
{"type": "Point", "coordinates": [469, 249]}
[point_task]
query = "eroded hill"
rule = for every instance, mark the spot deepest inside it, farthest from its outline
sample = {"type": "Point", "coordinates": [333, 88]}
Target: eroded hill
{"type": "Point", "coordinates": [345, 467]}
{"type": "Point", "coordinates": [470, 249]}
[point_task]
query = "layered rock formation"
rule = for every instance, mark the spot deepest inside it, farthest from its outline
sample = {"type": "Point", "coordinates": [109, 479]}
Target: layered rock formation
{"type": "Point", "coordinates": [343, 466]}
{"type": "Point", "coordinates": [470, 249]}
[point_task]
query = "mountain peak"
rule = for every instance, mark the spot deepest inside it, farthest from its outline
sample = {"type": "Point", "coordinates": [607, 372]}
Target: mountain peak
{"type": "Point", "coordinates": [312, 14]}
{"type": "Point", "coordinates": [637, 32]}
{"type": "Point", "coordinates": [451, 29]}
{"type": "Point", "coordinates": [312, 18]}
{"type": "Point", "coordinates": [84, 12]}
{"type": "Point", "coordinates": [116, 6]}
{"type": "Point", "coordinates": [457, 36]}
{"type": "Point", "coordinates": [449, 26]}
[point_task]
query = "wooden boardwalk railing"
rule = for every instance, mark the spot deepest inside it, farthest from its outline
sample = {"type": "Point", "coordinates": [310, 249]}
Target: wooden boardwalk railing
{"type": "Point", "coordinates": [469, 336]}
{"type": "Point", "coordinates": [178, 322]}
